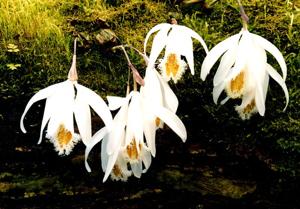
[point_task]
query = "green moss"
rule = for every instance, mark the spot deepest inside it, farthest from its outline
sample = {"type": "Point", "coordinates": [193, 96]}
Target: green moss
{"type": "Point", "coordinates": [35, 51]}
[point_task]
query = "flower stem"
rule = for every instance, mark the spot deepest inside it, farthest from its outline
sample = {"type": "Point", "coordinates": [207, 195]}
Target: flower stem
{"type": "Point", "coordinates": [75, 46]}
{"type": "Point", "coordinates": [72, 75]}
{"type": "Point", "coordinates": [173, 21]}
{"type": "Point", "coordinates": [244, 17]}
{"type": "Point", "coordinates": [134, 84]}
{"type": "Point", "coordinates": [136, 75]}
{"type": "Point", "coordinates": [139, 52]}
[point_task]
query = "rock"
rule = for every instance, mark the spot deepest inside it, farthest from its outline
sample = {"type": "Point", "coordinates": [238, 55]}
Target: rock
{"type": "Point", "coordinates": [106, 36]}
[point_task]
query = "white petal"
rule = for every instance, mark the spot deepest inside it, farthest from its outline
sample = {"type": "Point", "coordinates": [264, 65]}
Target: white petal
{"type": "Point", "coordinates": [83, 119]}
{"type": "Point", "coordinates": [150, 132]}
{"type": "Point", "coordinates": [217, 90]}
{"type": "Point", "coordinates": [169, 97]}
{"type": "Point", "coordinates": [112, 159]}
{"type": "Point", "coordinates": [98, 136]}
{"type": "Point", "coordinates": [226, 63]}
{"type": "Point", "coordinates": [146, 160]}
{"type": "Point", "coordinates": [232, 74]}
{"type": "Point", "coordinates": [110, 164]}
{"type": "Point", "coordinates": [134, 123]}
{"type": "Point", "coordinates": [152, 90]}
{"type": "Point", "coordinates": [275, 75]}
{"type": "Point", "coordinates": [256, 62]}
{"type": "Point", "coordinates": [225, 100]}
{"type": "Point", "coordinates": [153, 30]}
{"type": "Point", "coordinates": [137, 169]}
{"type": "Point", "coordinates": [265, 86]}
{"type": "Point", "coordinates": [214, 54]}
{"type": "Point", "coordinates": [246, 100]}
{"type": "Point", "coordinates": [259, 100]}
{"type": "Point", "coordinates": [188, 52]}
{"type": "Point", "coordinates": [245, 47]}
{"type": "Point", "coordinates": [159, 41]}
{"type": "Point", "coordinates": [115, 102]}
{"type": "Point", "coordinates": [96, 102]}
{"type": "Point", "coordinates": [49, 109]}
{"type": "Point", "coordinates": [180, 42]}
{"type": "Point", "coordinates": [171, 120]}
{"type": "Point", "coordinates": [268, 46]}
{"type": "Point", "coordinates": [195, 35]}
{"type": "Point", "coordinates": [118, 129]}
{"type": "Point", "coordinates": [63, 107]}
{"type": "Point", "coordinates": [42, 94]}
{"type": "Point", "coordinates": [104, 155]}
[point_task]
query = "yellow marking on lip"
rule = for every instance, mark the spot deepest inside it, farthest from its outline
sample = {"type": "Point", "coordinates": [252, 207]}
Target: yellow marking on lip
{"type": "Point", "coordinates": [172, 65]}
{"type": "Point", "coordinates": [132, 151]}
{"type": "Point", "coordinates": [249, 108]}
{"type": "Point", "coordinates": [117, 171]}
{"type": "Point", "coordinates": [63, 136]}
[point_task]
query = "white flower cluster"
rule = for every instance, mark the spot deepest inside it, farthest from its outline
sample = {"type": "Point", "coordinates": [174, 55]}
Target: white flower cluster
{"type": "Point", "coordinates": [128, 139]}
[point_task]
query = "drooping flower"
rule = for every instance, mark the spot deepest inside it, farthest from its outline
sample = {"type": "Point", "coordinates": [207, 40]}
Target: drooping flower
{"type": "Point", "coordinates": [243, 71]}
{"type": "Point", "coordinates": [156, 92]}
{"type": "Point", "coordinates": [177, 41]}
{"type": "Point", "coordinates": [125, 146]}
{"type": "Point", "coordinates": [64, 101]}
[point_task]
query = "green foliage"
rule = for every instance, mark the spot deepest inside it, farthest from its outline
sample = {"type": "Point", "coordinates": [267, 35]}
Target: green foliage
{"type": "Point", "coordinates": [36, 39]}
{"type": "Point", "coordinates": [32, 46]}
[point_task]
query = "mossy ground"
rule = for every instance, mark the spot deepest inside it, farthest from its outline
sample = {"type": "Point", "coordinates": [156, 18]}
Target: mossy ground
{"type": "Point", "coordinates": [257, 159]}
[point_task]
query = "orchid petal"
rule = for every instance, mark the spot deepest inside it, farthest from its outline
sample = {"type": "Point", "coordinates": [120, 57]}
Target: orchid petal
{"type": "Point", "coordinates": [112, 158]}
{"type": "Point", "coordinates": [46, 116]}
{"type": "Point", "coordinates": [181, 44]}
{"type": "Point", "coordinates": [171, 120]}
{"type": "Point", "coordinates": [153, 30]}
{"type": "Point", "coordinates": [96, 102]}
{"type": "Point", "coordinates": [62, 113]}
{"type": "Point", "coordinates": [214, 54]}
{"type": "Point", "coordinates": [275, 75]}
{"type": "Point", "coordinates": [195, 35]}
{"type": "Point", "coordinates": [119, 124]}
{"type": "Point", "coordinates": [169, 97]}
{"type": "Point", "coordinates": [146, 160]}
{"type": "Point", "coordinates": [268, 46]}
{"type": "Point", "coordinates": [137, 169]}
{"type": "Point", "coordinates": [150, 132]}
{"type": "Point", "coordinates": [83, 118]}
{"type": "Point", "coordinates": [159, 41]}
{"type": "Point", "coordinates": [42, 94]}
{"type": "Point", "coordinates": [232, 74]}
{"type": "Point", "coordinates": [98, 136]}
{"type": "Point", "coordinates": [217, 90]}
{"type": "Point", "coordinates": [246, 100]}
{"type": "Point", "coordinates": [104, 155]}
{"type": "Point", "coordinates": [134, 125]}
{"type": "Point", "coordinates": [259, 100]}
{"type": "Point", "coordinates": [152, 90]}
{"type": "Point", "coordinates": [115, 102]}
{"type": "Point", "coordinates": [226, 63]}
{"type": "Point", "coordinates": [225, 100]}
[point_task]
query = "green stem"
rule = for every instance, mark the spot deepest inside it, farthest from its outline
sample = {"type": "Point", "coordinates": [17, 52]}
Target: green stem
{"type": "Point", "coordinates": [244, 17]}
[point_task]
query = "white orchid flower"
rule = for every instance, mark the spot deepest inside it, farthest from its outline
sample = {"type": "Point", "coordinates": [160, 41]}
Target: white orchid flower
{"type": "Point", "coordinates": [156, 92]}
{"type": "Point", "coordinates": [177, 41]}
{"type": "Point", "coordinates": [244, 72]}
{"type": "Point", "coordinates": [126, 139]}
{"type": "Point", "coordinates": [62, 103]}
